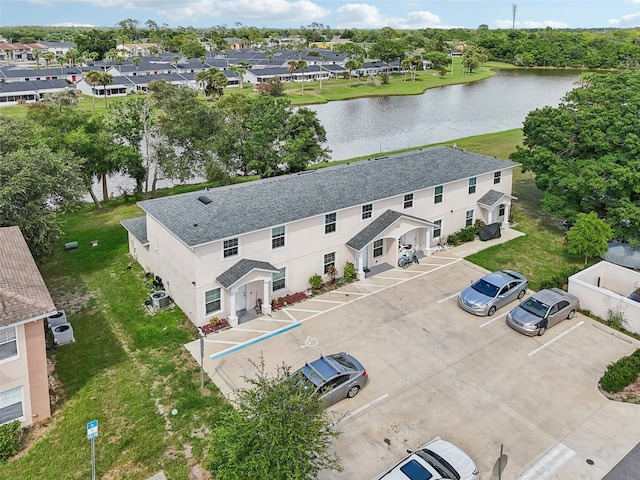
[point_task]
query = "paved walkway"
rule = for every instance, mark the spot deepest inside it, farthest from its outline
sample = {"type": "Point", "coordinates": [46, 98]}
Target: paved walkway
{"type": "Point", "coordinates": [220, 344]}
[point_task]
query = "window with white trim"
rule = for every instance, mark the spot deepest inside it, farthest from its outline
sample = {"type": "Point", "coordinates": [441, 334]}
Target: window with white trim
{"type": "Point", "coordinates": [367, 211]}
{"type": "Point", "coordinates": [497, 178]}
{"type": "Point", "coordinates": [437, 230]}
{"type": "Point", "coordinates": [469, 218]}
{"type": "Point", "coordinates": [408, 200]}
{"type": "Point", "coordinates": [230, 247]}
{"type": "Point", "coordinates": [279, 280]}
{"type": "Point", "coordinates": [437, 194]}
{"type": "Point", "coordinates": [8, 343]}
{"type": "Point", "coordinates": [11, 405]}
{"type": "Point", "coordinates": [330, 222]}
{"type": "Point", "coordinates": [329, 261]}
{"type": "Point", "coordinates": [501, 210]}
{"type": "Point", "coordinates": [378, 248]}
{"type": "Point", "coordinates": [277, 237]}
{"type": "Point", "coordinates": [212, 301]}
{"type": "Point", "coordinates": [472, 185]}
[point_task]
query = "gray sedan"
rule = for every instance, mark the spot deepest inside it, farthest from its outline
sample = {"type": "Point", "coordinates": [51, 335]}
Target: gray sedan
{"type": "Point", "coordinates": [542, 310]}
{"type": "Point", "coordinates": [332, 377]}
{"type": "Point", "coordinates": [493, 291]}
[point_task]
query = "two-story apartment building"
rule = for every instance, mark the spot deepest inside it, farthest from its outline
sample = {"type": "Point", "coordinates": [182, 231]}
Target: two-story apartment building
{"type": "Point", "coordinates": [25, 303]}
{"type": "Point", "coordinates": [218, 251]}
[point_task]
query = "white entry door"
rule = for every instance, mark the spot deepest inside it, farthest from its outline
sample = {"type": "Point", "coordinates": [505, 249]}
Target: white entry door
{"type": "Point", "coordinates": [241, 298]}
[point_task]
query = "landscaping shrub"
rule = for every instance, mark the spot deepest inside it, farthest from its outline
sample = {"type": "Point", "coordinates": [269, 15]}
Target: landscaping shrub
{"type": "Point", "coordinates": [479, 225]}
{"type": "Point", "coordinates": [559, 279]}
{"type": "Point", "coordinates": [467, 234]}
{"type": "Point", "coordinates": [621, 373]}
{"type": "Point", "coordinates": [349, 271]}
{"type": "Point", "coordinates": [316, 282]}
{"type": "Point", "coordinates": [10, 438]}
{"type": "Point", "coordinates": [385, 78]}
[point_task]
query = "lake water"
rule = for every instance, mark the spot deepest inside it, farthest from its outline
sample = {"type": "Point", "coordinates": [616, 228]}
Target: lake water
{"type": "Point", "coordinates": [380, 124]}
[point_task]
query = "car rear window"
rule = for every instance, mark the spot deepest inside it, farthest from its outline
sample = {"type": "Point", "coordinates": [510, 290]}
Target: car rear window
{"type": "Point", "coordinates": [413, 470]}
{"type": "Point", "coordinates": [344, 361]}
{"type": "Point", "coordinates": [485, 288]}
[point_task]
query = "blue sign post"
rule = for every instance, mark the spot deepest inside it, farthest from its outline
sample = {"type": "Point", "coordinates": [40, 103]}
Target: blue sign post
{"type": "Point", "coordinates": [92, 433]}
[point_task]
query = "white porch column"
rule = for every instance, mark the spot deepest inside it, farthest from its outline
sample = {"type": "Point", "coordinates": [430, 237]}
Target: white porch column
{"type": "Point", "coordinates": [233, 318]}
{"type": "Point", "coordinates": [490, 217]}
{"type": "Point", "coordinates": [361, 273]}
{"type": "Point", "coordinates": [428, 242]}
{"type": "Point", "coordinates": [266, 297]}
{"type": "Point", "coordinates": [505, 220]}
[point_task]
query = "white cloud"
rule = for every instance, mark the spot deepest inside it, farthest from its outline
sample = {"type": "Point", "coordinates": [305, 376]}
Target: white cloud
{"type": "Point", "coordinates": [530, 24]}
{"type": "Point", "coordinates": [362, 15]}
{"type": "Point", "coordinates": [267, 10]}
{"type": "Point", "coordinates": [625, 20]}
{"type": "Point", "coordinates": [71, 24]}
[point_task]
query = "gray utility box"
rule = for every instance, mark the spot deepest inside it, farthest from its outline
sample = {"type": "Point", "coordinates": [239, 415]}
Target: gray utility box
{"type": "Point", "coordinates": [160, 300]}
{"type": "Point", "coordinates": [57, 318]}
{"type": "Point", "coordinates": [63, 334]}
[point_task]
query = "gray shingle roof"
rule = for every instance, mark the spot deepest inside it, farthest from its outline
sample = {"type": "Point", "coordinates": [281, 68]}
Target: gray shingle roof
{"type": "Point", "coordinates": [246, 207]}
{"type": "Point", "coordinates": [369, 233]}
{"type": "Point", "coordinates": [35, 86]}
{"type": "Point", "coordinates": [137, 227]}
{"type": "Point", "coordinates": [491, 198]}
{"type": "Point", "coordinates": [23, 293]}
{"type": "Point", "coordinates": [242, 268]}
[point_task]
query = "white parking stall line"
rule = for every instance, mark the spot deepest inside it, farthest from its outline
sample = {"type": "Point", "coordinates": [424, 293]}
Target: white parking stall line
{"type": "Point", "coordinates": [545, 345]}
{"type": "Point", "coordinates": [325, 301]}
{"type": "Point", "coordinates": [489, 322]}
{"type": "Point", "coordinates": [370, 285]}
{"type": "Point", "coordinates": [239, 329]}
{"type": "Point", "coordinates": [265, 319]}
{"type": "Point", "coordinates": [227, 342]}
{"type": "Point", "coordinates": [363, 407]}
{"type": "Point", "coordinates": [286, 311]}
{"type": "Point", "coordinates": [449, 297]}
{"type": "Point", "coordinates": [302, 310]}
{"type": "Point", "coordinates": [549, 464]}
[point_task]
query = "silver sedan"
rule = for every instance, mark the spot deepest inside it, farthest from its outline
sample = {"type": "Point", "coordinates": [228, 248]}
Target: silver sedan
{"type": "Point", "coordinates": [492, 292]}
{"type": "Point", "coordinates": [542, 310]}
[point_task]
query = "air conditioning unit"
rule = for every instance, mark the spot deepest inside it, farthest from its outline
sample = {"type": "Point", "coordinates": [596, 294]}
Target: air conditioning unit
{"type": "Point", "coordinates": [160, 300]}
{"type": "Point", "coordinates": [57, 318]}
{"type": "Point", "coordinates": [63, 334]}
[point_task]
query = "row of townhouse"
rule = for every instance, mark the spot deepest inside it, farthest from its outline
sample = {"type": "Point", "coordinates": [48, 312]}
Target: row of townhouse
{"type": "Point", "coordinates": [26, 303]}
{"type": "Point", "coordinates": [27, 51]}
{"type": "Point", "coordinates": [220, 251]}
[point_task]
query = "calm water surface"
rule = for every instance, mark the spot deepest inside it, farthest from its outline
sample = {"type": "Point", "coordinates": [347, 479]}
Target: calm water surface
{"type": "Point", "coordinates": [380, 124]}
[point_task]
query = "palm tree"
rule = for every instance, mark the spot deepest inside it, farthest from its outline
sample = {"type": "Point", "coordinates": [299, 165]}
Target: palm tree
{"type": "Point", "coordinates": [213, 81]}
{"type": "Point", "coordinates": [358, 64]}
{"type": "Point", "coordinates": [61, 62]}
{"type": "Point", "coordinates": [293, 67]}
{"type": "Point", "coordinates": [93, 79]}
{"type": "Point", "coordinates": [92, 57]}
{"type": "Point", "coordinates": [323, 58]}
{"type": "Point", "coordinates": [406, 65]}
{"type": "Point", "coordinates": [202, 60]}
{"type": "Point", "coordinates": [136, 61]}
{"type": "Point", "coordinates": [7, 54]}
{"type": "Point", "coordinates": [202, 77]}
{"type": "Point", "coordinates": [351, 65]}
{"type": "Point", "coordinates": [302, 65]}
{"type": "Point", "coordinates": [36, 55]}
{"type": "Point", "coordinates": [105, 79]}
{"type": "Point", "coordinates": [48, 57]}
{"type": "Point", "coordinates": [175, 59]}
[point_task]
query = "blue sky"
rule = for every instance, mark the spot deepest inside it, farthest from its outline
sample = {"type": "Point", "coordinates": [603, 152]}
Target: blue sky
{"type": "Point", "coordinates": [335, 13]}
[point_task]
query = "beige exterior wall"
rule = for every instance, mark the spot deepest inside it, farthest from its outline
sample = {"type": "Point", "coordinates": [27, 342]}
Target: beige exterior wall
{"type": "Point", "coordinates": [188, 273]}
{"type": "Point", "coordinates": [605, 286]}
{"type": "Point", "coordinates": [29, 371]}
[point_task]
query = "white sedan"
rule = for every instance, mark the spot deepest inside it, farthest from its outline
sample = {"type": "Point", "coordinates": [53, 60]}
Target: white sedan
{"type": "Point", "coordinates": [436, 460]}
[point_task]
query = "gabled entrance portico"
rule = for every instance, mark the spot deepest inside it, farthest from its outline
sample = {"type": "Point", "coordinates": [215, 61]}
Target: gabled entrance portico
{"type": "Point", "coordinates": [497, 206]}
{"type": "Point", "coordinates": [248, 284]}
{"type": "Point", "coordinates": [379, 241]}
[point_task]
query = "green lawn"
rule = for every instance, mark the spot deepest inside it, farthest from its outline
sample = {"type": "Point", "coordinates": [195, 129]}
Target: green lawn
{"type": "Point", "coordinates": [128, 368]}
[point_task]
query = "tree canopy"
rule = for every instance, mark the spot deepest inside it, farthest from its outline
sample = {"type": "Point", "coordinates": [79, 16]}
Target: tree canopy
{"type": "Point", "coordinates": [586, 152]}
{"type": "Point", "coordinates": [588, 236]}
{"type": "Point", "coordinates": [277, 431]}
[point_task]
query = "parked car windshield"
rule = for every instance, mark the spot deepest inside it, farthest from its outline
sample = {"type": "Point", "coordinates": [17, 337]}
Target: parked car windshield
{"type": "Point", "coordinates": [535, 307]}
{"type": "Point", "coordinates": [344, 361]}
{"type": "Point", "coordinates": [413, 470]}
{"type": "Point", "coordinates": [301, 381]}
{"type": "Point", "coordinates": [444, 469]}
{"type": "Point", "coordinates": [485, 288]}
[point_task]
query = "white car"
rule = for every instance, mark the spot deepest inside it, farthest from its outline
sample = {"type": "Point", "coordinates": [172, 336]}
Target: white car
{"type": "Point", "coordinates": [436, 460]}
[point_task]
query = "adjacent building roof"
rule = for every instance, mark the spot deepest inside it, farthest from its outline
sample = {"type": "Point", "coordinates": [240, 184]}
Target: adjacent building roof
{"type": "Point", "coordinates": [34, 86]}
{"type": "Point", "coordinates": [242, 268]}
{"type": "Point", "coordinates": [369, 233]}
{"type": "Point", "coordinates": [137, 227]}
{"type": "Point", "coordinates": [241, 208]}
{"type": "Point", "coordinates": [23, 293]}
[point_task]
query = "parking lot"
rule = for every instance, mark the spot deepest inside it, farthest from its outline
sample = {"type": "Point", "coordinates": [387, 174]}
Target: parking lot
{"type": "Point", "coordinates": [436, 370]}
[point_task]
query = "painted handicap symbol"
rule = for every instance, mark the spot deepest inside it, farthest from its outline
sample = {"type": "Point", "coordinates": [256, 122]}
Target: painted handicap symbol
{"type": "Point", "coordinates": [309, 342]}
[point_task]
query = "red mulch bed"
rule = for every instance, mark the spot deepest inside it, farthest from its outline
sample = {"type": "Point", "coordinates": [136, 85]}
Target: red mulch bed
{"type": "Point", "coordinates": [211, 328]}
{"type": "Point", "coordinates": [288, 300]}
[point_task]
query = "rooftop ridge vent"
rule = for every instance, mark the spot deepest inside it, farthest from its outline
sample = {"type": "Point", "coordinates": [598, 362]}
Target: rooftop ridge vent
{"type": "Point", "coordinates": [204, 199]}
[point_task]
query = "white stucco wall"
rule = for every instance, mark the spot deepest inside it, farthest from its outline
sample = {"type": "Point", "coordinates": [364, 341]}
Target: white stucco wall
{"type": "Point", "coordinates": [605, 286]}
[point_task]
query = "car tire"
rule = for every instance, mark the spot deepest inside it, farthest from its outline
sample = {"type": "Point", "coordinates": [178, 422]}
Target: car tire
{"type": "Point", "coordinates": [353, 391]}
{"type": "Point", "coordinates": [541, 331]}
{"type": "Point", "coordinates": [521, 294]}
{"type": "Point", "coordinates": [491, 311]}
{"type": "Point", "coordinates": [572, 314]}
